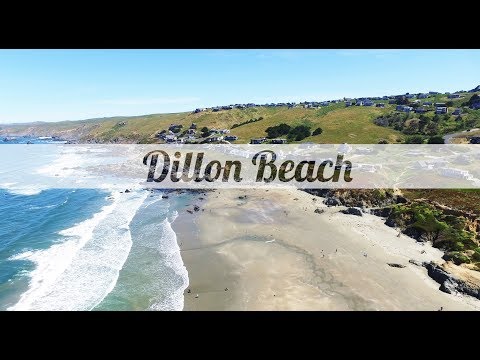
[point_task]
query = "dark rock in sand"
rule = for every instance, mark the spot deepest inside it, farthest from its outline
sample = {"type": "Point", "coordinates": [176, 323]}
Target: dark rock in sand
{"type": "Point", "coordinates": [396, 265]}
{"type": "Point", "coordinates": [352, 211]}
{"type": "Point", "coordinates": [319, 211]}
{"type": "Point", "coordinates": [332, 201]}
{"type": "Point", "coordinates": [196, 208]}
{"type": "Point", "coordinates": [242, 197]}
{"type": "Point", "coordinates": [382, 212]}
{"type": "Point", "coordinates": [415, 262]}
{"type": "Point", "coordinates": [413, 233]}
{"type": "Point", "coordinates": [448, 286]}
{"type": "Point", "coordinates": [390, 222]}
{"type": "Point", "coordinates": [164, 196]}
{"type": "Point", "coordinates": [190, 211]}
{"type": "Point", "coordinates": [449, 283]}
{"type": "Point", "coordinates": [127, 191]}
{"type": "Point", "coordinates": [201, 198]}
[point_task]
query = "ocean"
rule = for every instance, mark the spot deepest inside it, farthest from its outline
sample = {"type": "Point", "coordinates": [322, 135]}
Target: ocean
{"type": "Point", "coordinates": [86, 249]}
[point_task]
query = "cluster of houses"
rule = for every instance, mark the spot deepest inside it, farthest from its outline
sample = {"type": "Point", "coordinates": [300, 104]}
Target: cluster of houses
{"type": "Point", "coordinates": [348, 102]}
{"type": "Point", "coordinates": [190, 135]}
{"type": "Point", "coordinates": [439, 108]}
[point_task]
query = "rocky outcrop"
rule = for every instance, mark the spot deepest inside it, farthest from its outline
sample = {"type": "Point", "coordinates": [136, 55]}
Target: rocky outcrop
{"type": "Point", "coordinates": [449, 283]}
{"type": "Point", "coordinates": [319, 211]}
{"type": "Point", "coordinates": [332, 201]}
{"type": "Point", "coordinates": [391, 222]}
{"type": "Point", "coordinates": [352, 211]}
{"type": "Point", "coordinates": [362, 198]}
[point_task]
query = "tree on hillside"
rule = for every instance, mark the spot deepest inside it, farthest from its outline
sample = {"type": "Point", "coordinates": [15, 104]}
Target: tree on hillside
{"type": "Point", "coordinates": [415, 139]}
{"type": "Point", "coordinates": [402, 100]}
{"type": "Point", "coordinates": [317, 131]}
{"type": "Point", "coordinates": [277, 130]}
{"type": "Point", "coordinates": [298, 133]}
{"type": "Point", "coordinates": [449, 103]}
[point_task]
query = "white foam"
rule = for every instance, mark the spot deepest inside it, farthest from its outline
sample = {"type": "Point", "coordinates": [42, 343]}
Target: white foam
{"type": "Point", "coordinates": [169, 246]}
{"type": "Point", "coordinates": [78, 273]}
{"type": "Point", "coordinates": [24, 190]}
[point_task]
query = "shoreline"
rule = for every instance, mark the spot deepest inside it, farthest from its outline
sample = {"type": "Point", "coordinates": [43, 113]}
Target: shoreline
{"type": "Point", "coordinates": [271, 251]}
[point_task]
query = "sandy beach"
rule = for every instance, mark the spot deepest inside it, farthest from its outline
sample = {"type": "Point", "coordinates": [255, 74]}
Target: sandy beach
{"type": "Point", "coordinates": [271, 251]}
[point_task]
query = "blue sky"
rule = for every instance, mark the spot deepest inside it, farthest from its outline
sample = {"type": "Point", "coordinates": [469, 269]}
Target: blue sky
{"type": "Point", "coordinates": [54, 85]}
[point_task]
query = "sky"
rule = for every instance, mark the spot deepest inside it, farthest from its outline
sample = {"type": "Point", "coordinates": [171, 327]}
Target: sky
{"type": "Point", "coordinates": [55, 85]}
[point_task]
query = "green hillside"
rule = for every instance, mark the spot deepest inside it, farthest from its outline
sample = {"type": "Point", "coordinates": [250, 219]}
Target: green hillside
{"type": "Point", "coordinates": [339, 124]}
{"type": "Point", "coordinates": [355, 124]}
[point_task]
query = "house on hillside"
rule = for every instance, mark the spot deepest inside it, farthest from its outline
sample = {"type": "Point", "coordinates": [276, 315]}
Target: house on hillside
{"type": "Point", "coordinates": [368, 102]}
{"type": "Point", "coordinates": [404, 108]}
{"type": "Point", "coordinates": [420, 110]}
{"type": "Point", "coordinates": [193, 126]}
{"type": "Point", "coordinates": [278, 141]}
{"type": "Point", "coordinates": [170, 139]}
{"type": "Point", "coordinates": [475, 140]}
{"type": "Point", "coordinates": [348, 103]}
{"type": "Point", "coordinates": [392, 101]}
{"type": "Point", "coordinates": [231, 137]}
{"type": "Point", "coordinates": [190, 132]}
{"type": "Point", "coordinates": [380, 105]}
{"type": "Point", "coordinates": [257, 141]}
{"type": "Point", "coordinates": [427, 103]}
{"type": "Point", "coordinates": [422, 96]}
{"type": "Point", "coordinates": [441, 110]}
{"type": "Point", "coordinates": [440, 105]}
{"type": "Point", "coordinates": [433, 92]}
{"type": "Point", "coordinates": [457, 112]}
{"type": "Point", "coordinates": [215, 138]}
{"type": "Point", "coordinates": [475, 106]}
{"type": "Point", "coordinates": [453, 96]}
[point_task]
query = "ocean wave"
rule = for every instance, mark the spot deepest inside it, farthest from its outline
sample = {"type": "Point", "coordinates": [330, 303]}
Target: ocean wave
{"type": "Point", "coordinates": [78, 273]}
{"type": "Point", "coordinates": [169, 247]}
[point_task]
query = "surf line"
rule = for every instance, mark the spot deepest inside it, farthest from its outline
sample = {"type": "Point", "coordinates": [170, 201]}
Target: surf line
{"type": "Point", "coordinates": [265, 159]}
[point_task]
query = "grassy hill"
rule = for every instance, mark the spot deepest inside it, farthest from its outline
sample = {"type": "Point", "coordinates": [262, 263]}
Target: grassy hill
{"type": "Point", "coordinates": [339, 124]}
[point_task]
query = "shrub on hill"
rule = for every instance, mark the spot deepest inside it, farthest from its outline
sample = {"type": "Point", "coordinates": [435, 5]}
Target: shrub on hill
{"type": "Point", "coordinates": [437, 139]}
{"type": "Point", "coordinates": [247, 122]}
{"type": "Point", "coordinates": [415, 139]}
